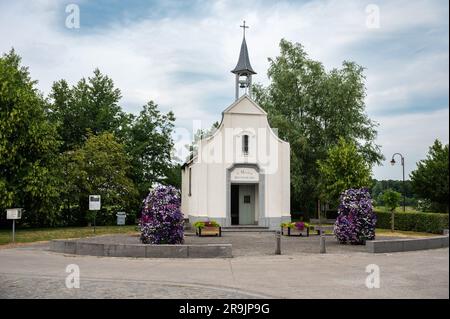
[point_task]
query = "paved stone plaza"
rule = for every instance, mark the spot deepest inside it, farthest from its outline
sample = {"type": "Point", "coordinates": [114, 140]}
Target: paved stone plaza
{"type": "Point", "coordinates": [250, 243]}
{"type": "Point", "coordinates": [254, 243]}
{"type": "Point", "coordinates": [31, 271]}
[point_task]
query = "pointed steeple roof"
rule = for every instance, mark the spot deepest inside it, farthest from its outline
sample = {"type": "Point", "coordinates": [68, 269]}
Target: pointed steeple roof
{"type": "Point", "coordinates": [243, 65]}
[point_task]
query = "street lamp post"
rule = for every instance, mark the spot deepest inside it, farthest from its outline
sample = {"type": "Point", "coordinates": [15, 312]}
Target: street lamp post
{"type": "Point", "coordinates": [403, 168]}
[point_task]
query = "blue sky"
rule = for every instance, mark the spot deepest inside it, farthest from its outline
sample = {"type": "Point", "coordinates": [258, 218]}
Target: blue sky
{"type": "Point", "coordinates": [180, 53]}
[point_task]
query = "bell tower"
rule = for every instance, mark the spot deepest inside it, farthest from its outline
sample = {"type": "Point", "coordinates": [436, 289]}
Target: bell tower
{"type": "Point", "coordinates": [243, 69]}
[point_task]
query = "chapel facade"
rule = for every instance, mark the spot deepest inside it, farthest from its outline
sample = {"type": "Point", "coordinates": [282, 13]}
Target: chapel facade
{"type": "Point", "coordinates": [240, 174]}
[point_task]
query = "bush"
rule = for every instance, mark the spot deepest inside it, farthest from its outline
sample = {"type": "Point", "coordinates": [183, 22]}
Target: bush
{"type": "Point", "coordinates": [419, 222]}
{"type": "Point", "coordinates": [356, 221]}
{"type": "Point", "coordinates": [424, 205]}
{"type": "Point", "coordinates": [161, 219]}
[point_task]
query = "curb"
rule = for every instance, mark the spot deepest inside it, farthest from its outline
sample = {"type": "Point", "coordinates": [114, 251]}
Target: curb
{"type": "Point", "coordinates": [399, 245]}
{"type": "Point", "coordinates": [76, 247]}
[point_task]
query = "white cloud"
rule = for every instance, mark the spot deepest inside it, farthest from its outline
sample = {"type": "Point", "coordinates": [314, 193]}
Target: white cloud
{"type": "Point", "coordinates": [411, 135]}
{"type": "Point", "coordinates": [152, 58]}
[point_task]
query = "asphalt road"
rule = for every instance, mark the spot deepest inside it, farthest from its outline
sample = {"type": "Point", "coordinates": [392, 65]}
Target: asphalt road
{"type": "Point", "coordinates": [33, 272]}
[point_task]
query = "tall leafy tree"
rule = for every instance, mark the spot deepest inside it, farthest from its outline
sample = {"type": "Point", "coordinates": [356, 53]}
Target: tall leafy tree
{"type": "Point", "coordinates": [28, 145]}
{"type": "Point", "coordinates": [344, 168]}
{"type": "Point", "coordinates": [90, 106]}
{"type": "Point", "coordinates": [431, 178]}
{"type": "Point", "coordinates": [312, 108]}
{"type": "Point", "coordinates": [148, 141]}
{"type": "Point", "coordinates": [101, 166]}
{"type": "Point", "coordinates": [173, 176]}
{"type": "Point", "coordinates": [55, 152]}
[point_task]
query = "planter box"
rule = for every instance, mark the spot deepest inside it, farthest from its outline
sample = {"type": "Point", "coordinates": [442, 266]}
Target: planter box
{"type": "Point", "coordinates": [209, 231]}
{"type": "Point", "coordinates": [295, 232]}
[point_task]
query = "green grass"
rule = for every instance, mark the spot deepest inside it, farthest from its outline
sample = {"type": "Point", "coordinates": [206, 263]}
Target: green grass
{"type": "Point", "coordinates": [401, 233]}
{"type": "Point", "coordinates": [409, 209]}
{"type": "Point", "coordinates": [389, 233]}
{"type": "Point", "coordinates": [44, 234]}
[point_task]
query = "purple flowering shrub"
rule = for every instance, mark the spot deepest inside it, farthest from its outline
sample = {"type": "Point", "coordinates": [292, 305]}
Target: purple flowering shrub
{"type": "Point", "coordinates": [356, 221]}
{"type": "Point", "coordinates": [161, 218]}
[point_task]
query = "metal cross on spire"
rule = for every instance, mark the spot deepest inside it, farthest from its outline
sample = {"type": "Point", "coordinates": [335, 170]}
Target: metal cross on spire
{"type": "Point", "coordinates": [244, 27]}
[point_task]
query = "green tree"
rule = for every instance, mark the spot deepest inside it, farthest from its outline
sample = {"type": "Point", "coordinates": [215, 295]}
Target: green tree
{"type": "Point", "coordinates": [173, 176]}
{"type": "Point", "coordinates": [28, 145]}
{"type": "Point", "coordinates": [101, 166]}
{"type": "Point", "coordinates": [89, 106]}
{"type": "Point", "coordinates": [391, 201]}
{"type": "Point", "coordinates": [397, 185]}
{"type": "Point", "coordinates": [55, 152]}
{"type": "Point", "coordinates": [344, 168]}
{"type": "Point", "coordinates": [312, 108]}
{"type": "Point", "coordinates": [148, 141]}
{"type": "Point", "coordinates": [430, 180]}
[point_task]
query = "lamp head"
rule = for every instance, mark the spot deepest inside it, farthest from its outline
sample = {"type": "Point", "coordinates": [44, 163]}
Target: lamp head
{"type": "Point", "coordinates": [392, 161]}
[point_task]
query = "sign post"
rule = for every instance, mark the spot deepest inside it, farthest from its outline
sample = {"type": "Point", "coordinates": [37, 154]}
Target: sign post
{"type": "Point", "coordinates": [94, 205]}
{"type": "Point", "coordinates": [14, 213]}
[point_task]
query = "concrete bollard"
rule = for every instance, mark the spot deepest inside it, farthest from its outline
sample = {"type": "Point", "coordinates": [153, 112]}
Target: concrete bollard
{"type": "Point", "coordinates": [278, 240]}
{"type": "Point", "coordinates": [323, 249]}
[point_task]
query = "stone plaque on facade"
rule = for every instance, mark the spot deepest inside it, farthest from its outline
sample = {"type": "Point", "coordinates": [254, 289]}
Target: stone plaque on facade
{"type": "Point", "coordinates": [244, 174]}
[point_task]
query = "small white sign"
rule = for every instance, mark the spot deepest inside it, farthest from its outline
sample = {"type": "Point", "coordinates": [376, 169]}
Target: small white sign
{"type": "Point", "coordinates": [14, 213]}
{"type": "Point", "coordinates": [94, 202]}
{"type": "Point", "coordinates": [121, 216]}
{"type": "Point", "coordinates": [244, 174]}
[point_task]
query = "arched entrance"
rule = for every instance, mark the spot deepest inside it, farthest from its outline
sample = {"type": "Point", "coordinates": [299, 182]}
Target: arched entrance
{"type": "Point", "coordinates": [245, 195]}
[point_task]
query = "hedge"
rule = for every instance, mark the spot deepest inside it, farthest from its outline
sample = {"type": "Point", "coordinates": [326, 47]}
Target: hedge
{"type": "Point", "coordinates": [419, 222]}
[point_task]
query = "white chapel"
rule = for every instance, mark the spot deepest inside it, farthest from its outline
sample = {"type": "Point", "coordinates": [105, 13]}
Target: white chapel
{"type": "Point", "coordinates": [240, 174]}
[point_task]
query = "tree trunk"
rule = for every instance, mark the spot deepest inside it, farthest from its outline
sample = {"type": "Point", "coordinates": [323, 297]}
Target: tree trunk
{"type": "Point", "coordinates": [392, 220]}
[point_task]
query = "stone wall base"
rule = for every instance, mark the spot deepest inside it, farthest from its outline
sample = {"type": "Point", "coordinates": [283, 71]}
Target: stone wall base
{"type": "Point", "coordinates": [398, 245]}
{"type": "Point", "coordinates": [76, 247]}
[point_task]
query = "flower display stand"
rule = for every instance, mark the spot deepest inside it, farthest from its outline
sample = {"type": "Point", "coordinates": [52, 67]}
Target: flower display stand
{"type": "Point", "coordinates": [289, 231]}
{"type": "Point", "coordinates": [209, 231]}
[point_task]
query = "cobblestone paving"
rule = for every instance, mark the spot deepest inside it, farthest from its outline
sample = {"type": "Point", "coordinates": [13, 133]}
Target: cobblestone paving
{"type": "Point", "coordinates": [32, 287]}
{"type": "Point", "coordinates": [32, 271]}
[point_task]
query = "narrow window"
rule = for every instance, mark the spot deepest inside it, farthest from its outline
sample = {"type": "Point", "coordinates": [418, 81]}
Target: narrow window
{"type": "Point", "coordinates": [245, 144]}
{"type": "Point", "coordinates": [190, 181]}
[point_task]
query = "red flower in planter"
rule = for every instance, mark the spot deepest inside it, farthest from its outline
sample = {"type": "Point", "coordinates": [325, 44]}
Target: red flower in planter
{"type": "Point", "coordinates": [300, 225]}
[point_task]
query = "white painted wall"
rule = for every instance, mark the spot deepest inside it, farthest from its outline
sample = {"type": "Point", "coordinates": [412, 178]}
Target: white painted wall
{"type": "Point", "coordinates": [223, 149]}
